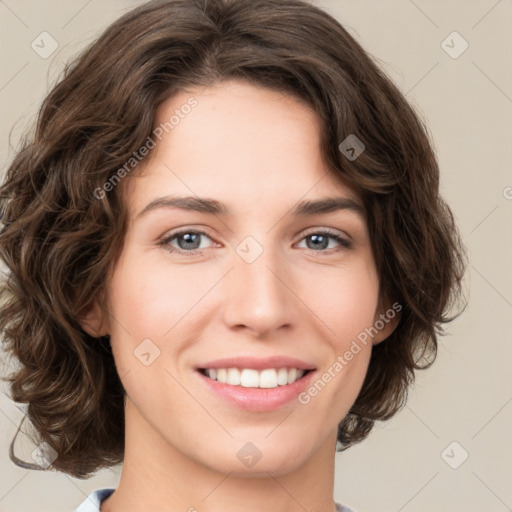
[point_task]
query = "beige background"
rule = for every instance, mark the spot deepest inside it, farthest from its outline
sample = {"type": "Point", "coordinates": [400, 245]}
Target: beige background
{"type": "Point", "coordinates": [467, 103]}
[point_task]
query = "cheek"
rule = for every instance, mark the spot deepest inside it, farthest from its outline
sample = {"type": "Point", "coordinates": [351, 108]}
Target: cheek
{"type": "Point", "coordinates": [346, 304]}
{"type": "Point", "coordinates": [346, 301]}
{"type": "Point", "coordinates": [159, 302]}
{"type": "Point", "coordinates": [149, 299]}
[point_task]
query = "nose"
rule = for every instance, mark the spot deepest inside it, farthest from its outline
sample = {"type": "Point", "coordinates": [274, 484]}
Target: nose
{"type": "Point", "coordinates": [258, 296]}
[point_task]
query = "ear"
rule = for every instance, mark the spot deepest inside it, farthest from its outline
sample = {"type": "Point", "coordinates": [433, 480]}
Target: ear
{"type": "Point", "coordinates": [386, 319]}
{"type": "Point", "coordinates": [93, 321]}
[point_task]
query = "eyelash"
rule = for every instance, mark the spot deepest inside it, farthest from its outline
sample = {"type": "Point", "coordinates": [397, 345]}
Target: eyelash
{"type": "Point", "coordinates": [165, 242]}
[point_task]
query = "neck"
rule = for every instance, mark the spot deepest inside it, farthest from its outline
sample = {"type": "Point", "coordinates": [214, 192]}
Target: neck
{"type": "Point", "coordinates": [158, 476]}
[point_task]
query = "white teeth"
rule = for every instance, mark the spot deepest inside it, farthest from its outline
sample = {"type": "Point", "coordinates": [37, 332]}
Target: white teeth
{"type": "Point", "coordinates": [222, 375]}
{"type": "Point", "coordinates": [233, 377]}
{"type": "Point", "coordinates": [292, 375]}
{"type": "Point", "coordinates": [268, 379]}
{"type": "Point", "coordinates": [250, 378]}
{"type": "Point", "coordinates": [282, 376]}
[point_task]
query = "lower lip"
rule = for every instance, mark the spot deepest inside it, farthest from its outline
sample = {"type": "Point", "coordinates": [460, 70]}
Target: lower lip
{"type": "Point", "coordinates": [258, 399]}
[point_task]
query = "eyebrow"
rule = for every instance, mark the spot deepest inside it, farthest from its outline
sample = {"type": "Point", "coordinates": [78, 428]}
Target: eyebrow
{"type": "Point", "coordinates": [214, 207]}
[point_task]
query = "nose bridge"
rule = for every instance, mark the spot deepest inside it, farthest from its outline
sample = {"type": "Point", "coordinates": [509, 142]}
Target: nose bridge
{"type": "Point", "coordinates": [256, 296]}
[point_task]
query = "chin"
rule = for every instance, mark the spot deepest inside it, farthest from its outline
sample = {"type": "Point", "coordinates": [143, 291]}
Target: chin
{"type": "Point", "coordinates": [274, 459]}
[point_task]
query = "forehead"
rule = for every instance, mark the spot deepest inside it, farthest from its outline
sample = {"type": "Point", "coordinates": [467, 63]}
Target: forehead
{"type": "Point", "coordinates": [240, 143]}
{"type": "Point", "coordinates": [238, 120]}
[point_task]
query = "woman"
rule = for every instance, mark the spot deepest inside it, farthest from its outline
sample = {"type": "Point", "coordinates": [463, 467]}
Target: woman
{"type": "Point", "coordinates": [227, 255]}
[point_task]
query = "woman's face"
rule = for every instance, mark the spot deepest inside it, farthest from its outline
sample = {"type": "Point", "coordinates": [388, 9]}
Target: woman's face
{"type": "Point", "coordinates": [244, 268]}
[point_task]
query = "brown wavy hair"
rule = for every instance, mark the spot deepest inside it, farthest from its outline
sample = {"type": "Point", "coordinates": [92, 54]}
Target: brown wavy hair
{"type": "Point", "coordinates": [59, 242]}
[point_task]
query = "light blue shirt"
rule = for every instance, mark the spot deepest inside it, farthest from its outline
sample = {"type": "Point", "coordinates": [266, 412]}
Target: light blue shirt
{"type": "Point", "coordinates": [92, 503]}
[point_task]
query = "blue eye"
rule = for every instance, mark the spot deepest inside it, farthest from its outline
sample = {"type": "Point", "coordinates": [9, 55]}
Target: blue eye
{"type": "Point", "coordinates": [320, 240]}
{"type": "Point", "coordinates": [188, 242]}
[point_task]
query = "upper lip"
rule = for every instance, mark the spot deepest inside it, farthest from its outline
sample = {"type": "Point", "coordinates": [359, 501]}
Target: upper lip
{"type": "Point", "coordinates": [258, 364]}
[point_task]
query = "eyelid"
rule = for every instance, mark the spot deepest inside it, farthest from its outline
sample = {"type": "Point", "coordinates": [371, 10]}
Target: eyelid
{"type": "Point", "coordinates": [199, 229]}
{"type": "Point", "coordinates": [329, 231]}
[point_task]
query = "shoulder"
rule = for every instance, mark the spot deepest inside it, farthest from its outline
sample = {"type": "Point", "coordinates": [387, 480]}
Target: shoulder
{"type": "Point", "coordinates": [92, 502]}
{"type": "Point", "coordinates": [341, 508]}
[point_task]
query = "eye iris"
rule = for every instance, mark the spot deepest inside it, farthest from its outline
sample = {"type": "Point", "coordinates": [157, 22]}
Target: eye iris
{"type": "Point", "coordinates": [189, 238]}
{"type": "Point", "coordinates": [320, 241]}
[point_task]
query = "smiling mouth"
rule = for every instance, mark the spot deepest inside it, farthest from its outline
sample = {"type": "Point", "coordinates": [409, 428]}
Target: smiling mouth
{"type": "Point", "coordinates": [251, 378]}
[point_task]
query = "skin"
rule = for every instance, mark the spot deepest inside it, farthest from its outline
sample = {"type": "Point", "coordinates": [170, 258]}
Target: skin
{"type": "Point", "coordinates": [257, 151]}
